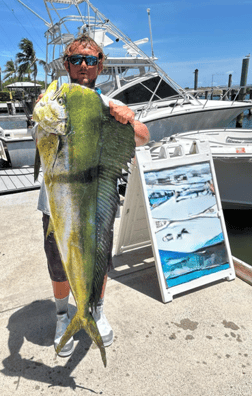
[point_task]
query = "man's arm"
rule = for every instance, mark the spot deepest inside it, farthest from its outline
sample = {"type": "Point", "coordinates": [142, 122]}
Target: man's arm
{"type": "Point", "coordinates": [124, 115]}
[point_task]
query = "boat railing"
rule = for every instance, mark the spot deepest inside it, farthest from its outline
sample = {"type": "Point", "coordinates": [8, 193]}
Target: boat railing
{"type": "Point", "coordinates": [171, 101]}
{"type": "Point", "coordinates": [222, 97]}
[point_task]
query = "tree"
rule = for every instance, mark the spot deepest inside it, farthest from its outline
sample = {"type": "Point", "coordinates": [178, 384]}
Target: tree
{"type": "Point", "coordinates": [11, 69]}
{"type": "Point", "coordinates": [27, 60]}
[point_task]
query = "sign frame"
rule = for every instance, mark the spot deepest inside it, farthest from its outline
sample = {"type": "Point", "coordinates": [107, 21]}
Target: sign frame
{"type": "Point", "coordinates": [136, 227]}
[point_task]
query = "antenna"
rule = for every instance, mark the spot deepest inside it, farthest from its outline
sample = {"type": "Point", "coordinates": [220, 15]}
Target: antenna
{"type": "Point", "coordinates": [46, 23]}
{"type": "Point", "coordinates": [152, 52]}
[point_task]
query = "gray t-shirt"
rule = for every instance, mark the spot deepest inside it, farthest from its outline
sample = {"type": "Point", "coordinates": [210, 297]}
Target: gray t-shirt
{"type": "Point", "coordinates": [43, 203]}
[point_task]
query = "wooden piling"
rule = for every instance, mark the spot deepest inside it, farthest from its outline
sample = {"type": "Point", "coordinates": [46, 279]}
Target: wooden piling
{"type": "Point", "coordinates": [243, 83]}
{"type": "Point", "coordinates": [250, 97]}
{"type": "Point", "coordinates": [196, 72]}
{"type": "Point", "coordinates": [229, 84]}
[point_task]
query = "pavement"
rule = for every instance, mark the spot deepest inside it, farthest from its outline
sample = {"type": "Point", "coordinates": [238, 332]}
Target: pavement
{"type": "Point", "coordinates": [200, 344]}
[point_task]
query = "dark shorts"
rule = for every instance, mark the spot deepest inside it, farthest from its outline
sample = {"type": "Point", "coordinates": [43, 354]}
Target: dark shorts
{"type": "Point", "coordinates": [55, 267]}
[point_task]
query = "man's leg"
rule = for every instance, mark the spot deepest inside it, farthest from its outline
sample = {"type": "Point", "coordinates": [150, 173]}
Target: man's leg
{"type": "Point", "coordinates": [61, 289]}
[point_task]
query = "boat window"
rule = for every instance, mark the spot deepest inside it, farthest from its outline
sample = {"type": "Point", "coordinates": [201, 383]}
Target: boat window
{"type": "Point", "coordinates": [107, 87]}
{"type": "Point", "coordinates": [140, 92]}
{"type": "Point", "coordinates": [238, 140]}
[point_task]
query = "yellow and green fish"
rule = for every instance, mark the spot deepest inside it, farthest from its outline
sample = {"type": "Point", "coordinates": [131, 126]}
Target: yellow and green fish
{"type": "Point", "coordinates": [83, 150]}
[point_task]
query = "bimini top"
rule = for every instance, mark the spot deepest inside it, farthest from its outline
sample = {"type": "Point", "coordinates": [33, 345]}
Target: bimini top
{"type": "Point", "coordinates": [25, 84]}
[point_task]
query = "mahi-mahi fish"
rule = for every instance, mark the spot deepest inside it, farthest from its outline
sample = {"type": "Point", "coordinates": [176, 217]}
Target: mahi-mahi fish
{"type": "Point", "coordinates": [82, 150]}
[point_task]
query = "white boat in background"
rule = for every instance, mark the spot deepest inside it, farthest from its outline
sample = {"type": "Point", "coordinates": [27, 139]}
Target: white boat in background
{"type": "Point", "coordinates": [17, 148]}
{"type": "Point", "coordinates": [133, 78]}
{"type": "Point", "coordinates": [232, 154]}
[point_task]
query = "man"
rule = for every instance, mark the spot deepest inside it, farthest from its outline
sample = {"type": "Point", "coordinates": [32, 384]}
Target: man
{"type": "Point", "coordinates": [83, 60]}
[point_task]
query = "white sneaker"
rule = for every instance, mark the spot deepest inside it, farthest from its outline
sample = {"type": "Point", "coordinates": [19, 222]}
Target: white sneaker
{"type": "Point", "coordinates": [103, 325]}
{"type": "Point", "coordinates": [61, 325]}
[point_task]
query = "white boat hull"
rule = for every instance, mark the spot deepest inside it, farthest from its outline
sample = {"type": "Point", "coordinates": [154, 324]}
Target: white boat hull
{"type": "Point", "coordinates": [164, 125]}
{"type": "Point", "coordinates": [234, 180]}
{"type": "Point", "coordinates": [21, 147]}
{"type": "Point", "coordinates": [232, 155]}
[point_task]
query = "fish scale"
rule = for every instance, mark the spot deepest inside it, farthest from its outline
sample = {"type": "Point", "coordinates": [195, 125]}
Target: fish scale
{"type": "Point", "coordinates": [83, 150]}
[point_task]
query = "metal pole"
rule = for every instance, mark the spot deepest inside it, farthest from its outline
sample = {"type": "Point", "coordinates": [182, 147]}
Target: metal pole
{"type": "Point", "coordinates": [45, 22]}
{"type": "Point", "coordinates": [152, 51]}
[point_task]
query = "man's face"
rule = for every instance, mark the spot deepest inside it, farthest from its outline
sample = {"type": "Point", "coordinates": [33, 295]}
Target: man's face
{"type": "Point", "coordinates": [83, 74]}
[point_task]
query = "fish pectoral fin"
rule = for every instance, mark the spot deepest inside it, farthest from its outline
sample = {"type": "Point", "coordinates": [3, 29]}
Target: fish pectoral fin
{"type": "Point", "coordinates": [37, 164]}
{"type": "Point", "coordinates": [59, 148]}
{"type": "Point", "coordinates": [89, 325]}
{"type": "Point", "coordinates": [50, 228]}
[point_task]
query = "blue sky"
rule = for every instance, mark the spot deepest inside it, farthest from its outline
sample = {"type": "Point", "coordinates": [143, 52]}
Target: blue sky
{"type": "Point", "coordinates": [212, 35]}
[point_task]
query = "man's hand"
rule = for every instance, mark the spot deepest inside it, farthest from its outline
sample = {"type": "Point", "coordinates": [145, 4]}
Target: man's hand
{"type": "Point", "coordinates": [39, 97]}
{"type": "Point", "coordinates": [122, 113]}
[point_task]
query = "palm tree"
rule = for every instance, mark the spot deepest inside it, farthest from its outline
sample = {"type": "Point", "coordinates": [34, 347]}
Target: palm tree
{"type": "Point", "coordinates": [11, 69]}
{"type": "Point", "coordinates": [27, 60]}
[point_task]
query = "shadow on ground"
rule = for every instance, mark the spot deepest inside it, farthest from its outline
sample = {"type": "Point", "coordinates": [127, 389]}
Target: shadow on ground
{"type": "Point", "coordinates": [36, 323]}
{"type": "Point", "coordinates": [136, 269]}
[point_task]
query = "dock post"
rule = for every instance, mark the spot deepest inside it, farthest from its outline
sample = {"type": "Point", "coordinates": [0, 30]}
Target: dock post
{"type": "Point", "coordinates": [243, 83]}
{"type": "Point", "coordinates": [233, 94]}
{"type": "Point", "coordinates": [196, 72]}
{"type": "Point", "coordinates": [206, 94]}
{"type": "Point", "coordinates": [229, 84]}
{"type": "Point", "coordinates": [250, 97]}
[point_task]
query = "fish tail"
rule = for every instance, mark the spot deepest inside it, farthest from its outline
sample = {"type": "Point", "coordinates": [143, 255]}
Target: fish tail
{"type": "Point", "coordinates": [89, 325]}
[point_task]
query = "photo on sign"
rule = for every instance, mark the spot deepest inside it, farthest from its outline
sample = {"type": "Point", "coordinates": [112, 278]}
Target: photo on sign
{"type": "Point", "coordinates": [187, 228]}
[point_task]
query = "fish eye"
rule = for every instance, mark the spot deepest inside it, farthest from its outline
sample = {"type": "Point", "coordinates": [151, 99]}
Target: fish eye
{"type": "Point", "coordinates": [60, 101]}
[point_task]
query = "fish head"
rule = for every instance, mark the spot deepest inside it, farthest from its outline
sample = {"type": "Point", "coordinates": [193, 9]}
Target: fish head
{"type": "Point", "coordinates": [50, 112]}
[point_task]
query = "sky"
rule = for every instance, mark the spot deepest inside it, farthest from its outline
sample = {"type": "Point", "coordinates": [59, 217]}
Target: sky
{"type": "Point", "coordinates": [212, 36]}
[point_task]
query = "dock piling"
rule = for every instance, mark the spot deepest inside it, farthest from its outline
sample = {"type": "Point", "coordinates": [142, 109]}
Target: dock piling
{"type": "Point", "coordinates": [243, 83]}
{"type": "Point", "coordinates": [196, 73]}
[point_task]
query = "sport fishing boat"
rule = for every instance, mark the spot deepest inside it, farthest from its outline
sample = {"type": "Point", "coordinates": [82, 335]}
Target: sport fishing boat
{"type": "Point", "coordinates": [232, 155]}
{"type": "Point", "coordinates": [134, 78]}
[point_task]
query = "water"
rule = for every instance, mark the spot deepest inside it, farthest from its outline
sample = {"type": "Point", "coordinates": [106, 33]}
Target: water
{"type": "Point", "coordinates": [239, 229]}
{"type": "Point", "coordinates": [239, 221]}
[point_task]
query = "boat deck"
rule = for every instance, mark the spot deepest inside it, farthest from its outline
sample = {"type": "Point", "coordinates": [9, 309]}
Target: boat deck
{"type": "Point", "coordinates": [18, 180]}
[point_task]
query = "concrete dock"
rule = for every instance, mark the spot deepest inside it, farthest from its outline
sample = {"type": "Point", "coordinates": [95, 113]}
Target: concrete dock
{"type": "Point", "coordinates": [198, 345]}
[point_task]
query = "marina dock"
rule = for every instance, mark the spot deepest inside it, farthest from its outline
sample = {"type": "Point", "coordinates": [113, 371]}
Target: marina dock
{"type": "Point", "coordinates": [18, 180]}
{"type": "Point", "coordinates": [198, 345]}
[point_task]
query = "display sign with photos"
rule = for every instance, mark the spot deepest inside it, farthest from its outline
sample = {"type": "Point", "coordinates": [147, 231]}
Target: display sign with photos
{"type": "Point", "coordinates": [184, 218]}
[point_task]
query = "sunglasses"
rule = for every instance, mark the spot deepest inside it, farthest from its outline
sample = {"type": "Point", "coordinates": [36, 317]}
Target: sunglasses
{"type": "Point", "coordinates": [77, 60]}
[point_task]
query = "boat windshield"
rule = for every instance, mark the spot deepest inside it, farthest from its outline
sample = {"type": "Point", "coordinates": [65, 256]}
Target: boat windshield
{"type": "Point", "coordinates": [143, 91]}
{"type": "Point", "coordinates": [238, 140]}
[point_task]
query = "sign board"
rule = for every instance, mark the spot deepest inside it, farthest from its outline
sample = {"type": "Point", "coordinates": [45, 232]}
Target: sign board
{"type": "Point", "coordinates": [172, 202]}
